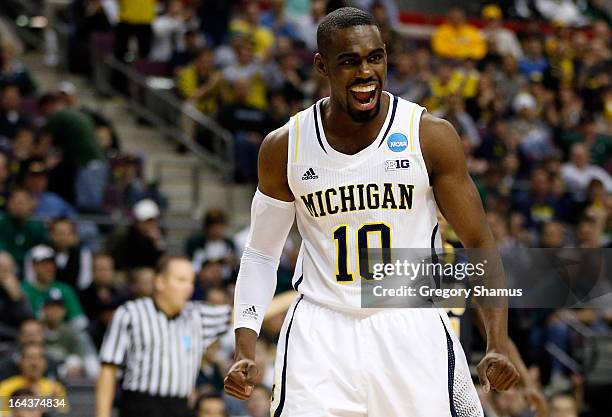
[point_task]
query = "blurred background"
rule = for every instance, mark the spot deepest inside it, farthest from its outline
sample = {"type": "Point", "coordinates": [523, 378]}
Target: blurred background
{"type": "Point", "coordinates": [130, 129]}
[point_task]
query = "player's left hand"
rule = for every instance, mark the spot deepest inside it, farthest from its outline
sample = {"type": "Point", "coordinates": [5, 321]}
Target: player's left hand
{"type": "Point", "coordinates": [495, 371]}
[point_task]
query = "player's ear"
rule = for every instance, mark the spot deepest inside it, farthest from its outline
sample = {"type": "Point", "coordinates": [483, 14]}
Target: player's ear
{"type": "Point", "coordinates": [320, 65]}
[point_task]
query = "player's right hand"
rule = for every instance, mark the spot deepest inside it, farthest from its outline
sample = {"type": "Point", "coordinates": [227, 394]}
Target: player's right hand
{"type": "Point", "coordinates": [240, 379]}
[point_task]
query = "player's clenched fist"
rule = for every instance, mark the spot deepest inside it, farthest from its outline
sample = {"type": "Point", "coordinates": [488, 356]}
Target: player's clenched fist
{"type": "Point", "coordinates": [240, 379]}
{"type": "Point", "coordinates": [495, 371]}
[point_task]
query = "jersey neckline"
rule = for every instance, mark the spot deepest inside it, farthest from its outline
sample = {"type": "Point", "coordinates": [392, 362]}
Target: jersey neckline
{"type": "Point", "coordinates": [332, 153]}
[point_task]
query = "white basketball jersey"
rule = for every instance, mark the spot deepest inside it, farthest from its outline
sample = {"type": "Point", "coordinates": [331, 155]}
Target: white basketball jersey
{"type": "Point", "coordinates": [379, 197]}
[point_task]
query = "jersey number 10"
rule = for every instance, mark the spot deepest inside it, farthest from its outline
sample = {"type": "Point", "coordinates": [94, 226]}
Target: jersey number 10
{"type": "Point", "coordinates": [343, 275]}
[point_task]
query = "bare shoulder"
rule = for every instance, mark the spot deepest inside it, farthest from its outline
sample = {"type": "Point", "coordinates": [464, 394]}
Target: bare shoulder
{"type": "Point", "coordinates": [440, 144]}
{"type": "Point", "coordinates": [275, 145]}
{"type": "Point", "coordinates": [272, 164]}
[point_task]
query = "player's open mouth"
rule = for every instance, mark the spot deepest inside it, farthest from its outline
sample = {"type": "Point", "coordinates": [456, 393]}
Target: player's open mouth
{"type": "Point", "coordinates": [364, 96]}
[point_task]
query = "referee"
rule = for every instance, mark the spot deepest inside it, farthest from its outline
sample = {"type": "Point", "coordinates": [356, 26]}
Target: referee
{"type": "Point", "coordinates": [158, 342]}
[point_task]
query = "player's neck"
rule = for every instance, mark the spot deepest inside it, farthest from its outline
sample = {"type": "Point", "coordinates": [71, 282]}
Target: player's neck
{"type": "Point", "coordinates": [345, 134]}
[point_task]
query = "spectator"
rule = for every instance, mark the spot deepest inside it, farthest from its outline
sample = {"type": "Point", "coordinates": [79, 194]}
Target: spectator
{"type": "Point", "coordinates": [212, 242]}
{"type": "Point", "coordinates": [598, 142]}
{"type": "Point", "coordinates": [457, 39]}
{"type": "Point", "coordinates": [140, 282]}
{"type": "Point", "coordinates": [287, 79]}
{"type": "Point", "coordinates": [227, 54]}
{"type": "Point", "coordinates": [249, 23]}
{"type": "Point", "coordinates": [72, 350]}
{"type": "Point", "coordinates": [19, 232]}
{"type": "Point", "coordinates": [135, 19]}
{"type": "Point", "coordinates": [10, 112]}
{"type": "Point", "coordinates": [143, 244]}
{"type": "Point", "coordinates": [210, 405]}
{"type": "Point", "coordinates": [4, 181]}
{"type": "Point", "coordinates": [89, 17]}
{"type": "Point", "coordinates": [276, 20]}
{"type": "Point", "coordinates": [450, 80]}
{"type": "Point", "coordinates": [553, 235]}
{"type": "Point", "coordinates": [73, 260]}
{"type": "Point", "coordinates": [249, 125]}
{"type": "Point", "coordinates": [73, 133]}
{"type": "Point", "coordinates": [258, 405]}
{"type": "Point", "coordinates": [532, 134]}
{"type": "Point", "coordinates": [501, 41]}
{"type": "Point", "coordinates": [563, 405]}
{"type": "Point", "coordinates": [508, 79]}
{"type": "Point", "coordinates": [182, 57]}
{"type": "Point", "coordinates": [247, 68]}
{"type": "Point", "coordinates": [392, 39]}
{"type": "Point", "coordinates": [307, 24]}
{"type": "Point", "coordinates": [200, 84]}
{"type": "Point", "coordinates": [168, 30]}
{"type": "Point", "coordinates": [562, 11]}
{"type": "Point", "coordinates": [14, 305]}
{"type": "Point", "coordinates": [128, 187]}
{"type": "Point", "coordinates": [30, 331]}
{"type": "Point", "coordinates": [408, 80]}
{"type": "Point", "coordinates": [46, 285]}
{"type": "Point", "coordinates": [48, 204]}
{"type": "Point", "coordinates": [14, 72]}
{"type": "Point", "coordinates": [537, 205]}
{"type": "Point", "coordinates": [533, 63]}
{"type": "Point", "coordinates": [22, 150]}
{"type": "Point", "coordinates": [462, 121]}
{"type": "Point", "coordinates": [32, 366]}
{"type": "Point", "coordinates": [102, 290]}
{"type": "Point", "coordinates": [578, 172]}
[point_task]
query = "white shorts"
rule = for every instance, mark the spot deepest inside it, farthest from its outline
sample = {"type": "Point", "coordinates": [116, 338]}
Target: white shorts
{"type": "Point", "coordinates": [392, 363]}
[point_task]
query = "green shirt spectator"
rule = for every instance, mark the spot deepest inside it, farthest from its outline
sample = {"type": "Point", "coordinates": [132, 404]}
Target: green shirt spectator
{"type": "Point", "coordinates": [19, 232]}
{"type": "Point", "coordinates": [597, 141]}
{"type": "Point", "coordinates": [75, 134]}
{"type": "Point", "coordinates": [45, 286]}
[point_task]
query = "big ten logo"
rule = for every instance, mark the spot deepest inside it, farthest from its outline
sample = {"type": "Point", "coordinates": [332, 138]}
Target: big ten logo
{"type": "Point", "coordinates": [393, 164]}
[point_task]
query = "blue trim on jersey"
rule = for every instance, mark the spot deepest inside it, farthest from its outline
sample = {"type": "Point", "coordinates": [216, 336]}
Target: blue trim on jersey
{"type": "Point", "coordinates": [298, 282]}
{"type": "Point", "coordinates": [281, 403]}
{"type": "Point", "coordinates": [434, 255]}
{"type": "Point", "coordinates": [393, 109]}
{"type": "Point", "coordinates": [316, 117]}
{"type": "Point", "coordinates": [451, 370]}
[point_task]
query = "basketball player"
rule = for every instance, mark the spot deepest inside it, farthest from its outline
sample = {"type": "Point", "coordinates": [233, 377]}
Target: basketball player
{"type": "Point", "coordinates": [359, 169]}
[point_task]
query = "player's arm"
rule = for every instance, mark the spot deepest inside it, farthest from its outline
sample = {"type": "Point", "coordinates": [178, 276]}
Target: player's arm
{"type": "Point", "coordinates": [105, 390]}
{"type": "Point", "coordinates": [272, 215]}
{"type": "Point", "coordinates": [459, 202]}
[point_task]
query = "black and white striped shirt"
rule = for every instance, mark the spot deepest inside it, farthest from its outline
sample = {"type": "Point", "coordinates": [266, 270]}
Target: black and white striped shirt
{"type": "Point", "coordinates": [161, 355]}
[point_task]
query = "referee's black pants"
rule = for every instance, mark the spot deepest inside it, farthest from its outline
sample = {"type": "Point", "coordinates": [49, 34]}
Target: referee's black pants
{"type": "Point", "coordinates": [136, 404]}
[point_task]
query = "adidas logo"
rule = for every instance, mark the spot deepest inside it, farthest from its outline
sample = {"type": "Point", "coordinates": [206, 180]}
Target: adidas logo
{"type": "Point", "coordinates": [310, 175]}
{"type": "Point", "coordinates": [251, 311]}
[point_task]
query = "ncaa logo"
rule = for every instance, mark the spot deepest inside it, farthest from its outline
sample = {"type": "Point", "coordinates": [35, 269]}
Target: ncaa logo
{"type": "Point", "coordinates": [397, 142]}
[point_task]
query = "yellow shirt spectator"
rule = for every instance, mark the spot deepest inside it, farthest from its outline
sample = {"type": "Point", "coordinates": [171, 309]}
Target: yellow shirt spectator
{"type": "Point", "coordinates": [262, 37]}
{"type": "Point", "coordinates": [205, 93]}
{"type": "Point", "coordinates": [461, 42]}
{"type": "Point", "coordinates": [137, 12]}
{"type": "Point", "coordinates": [457, 39]}
{"type": "Point", "coordinates": [44, 387]}
{"type": "Point", "coordinates": [459, 82]}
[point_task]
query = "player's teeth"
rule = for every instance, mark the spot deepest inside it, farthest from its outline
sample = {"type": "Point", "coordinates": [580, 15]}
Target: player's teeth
{"type": "Point", "coordinates": [363, 89]}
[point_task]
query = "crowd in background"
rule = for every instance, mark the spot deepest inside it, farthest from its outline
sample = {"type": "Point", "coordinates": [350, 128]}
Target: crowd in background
{"type": "Point", "coordinates": [532, 105]}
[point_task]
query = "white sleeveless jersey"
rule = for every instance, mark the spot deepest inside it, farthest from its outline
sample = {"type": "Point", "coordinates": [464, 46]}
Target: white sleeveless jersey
{"type": "Point", "coordinates": [379, 197]}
